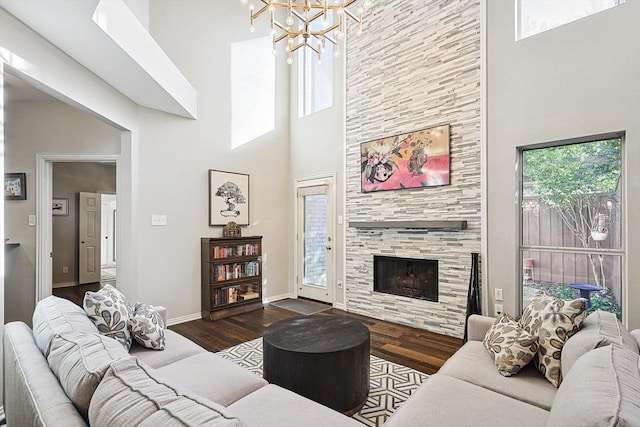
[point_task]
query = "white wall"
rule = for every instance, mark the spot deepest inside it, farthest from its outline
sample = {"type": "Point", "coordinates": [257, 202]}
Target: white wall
{"type": "Point", "coordinates": [176, 153]}
{"type": "Point", "coordinates": [577, 80]}
{"type": "Point", "coordinates": [25, 54]}
{"type": "Point", "coordinates": [317, 148]}
{"type": "Point", "coordinates": [32, 128]}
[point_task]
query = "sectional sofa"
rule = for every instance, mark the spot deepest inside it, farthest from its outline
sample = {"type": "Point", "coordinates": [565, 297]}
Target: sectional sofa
{"type": "Point", "coordinates": [64, 373]}
{"type": "Point", "coordinates": [601, 385]}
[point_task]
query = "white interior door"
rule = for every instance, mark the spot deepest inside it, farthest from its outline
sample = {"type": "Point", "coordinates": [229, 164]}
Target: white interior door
{"type": "Point", "coordinates": [315, 240]}
{"type": "Point", "coordinates": [89, 238]}
{"type": "Point", "coordinates": [108, 225]}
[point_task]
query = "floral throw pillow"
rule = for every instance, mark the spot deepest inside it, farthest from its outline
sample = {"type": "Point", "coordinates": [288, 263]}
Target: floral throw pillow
{"type": "Point", "coordinates": [510, 346]}
{"type": "Point", "coordinates": [110, 314]}
{"type": "Point", "coordinates": [553, 321]}
{"type": "Point", "coordinates": [147, 327]}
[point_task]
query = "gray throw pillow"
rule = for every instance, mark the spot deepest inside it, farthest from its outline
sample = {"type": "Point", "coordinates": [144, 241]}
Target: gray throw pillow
{"type": "Point", "coordinates": [553, 321]}
{"type": "Point", "coordinates": [111, 312]}
{"type": "Point", "coordinates": [510, 346]}
{"type": "Point", "coordinates": [147, 327]}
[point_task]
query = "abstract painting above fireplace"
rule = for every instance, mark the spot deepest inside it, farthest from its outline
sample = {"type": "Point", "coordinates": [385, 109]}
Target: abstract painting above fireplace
{"type": "Point", "coordinates": [409, 277]}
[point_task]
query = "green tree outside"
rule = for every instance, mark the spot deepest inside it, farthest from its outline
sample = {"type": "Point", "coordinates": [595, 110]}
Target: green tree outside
{"type": "Point", "coordinates": [572, 180]}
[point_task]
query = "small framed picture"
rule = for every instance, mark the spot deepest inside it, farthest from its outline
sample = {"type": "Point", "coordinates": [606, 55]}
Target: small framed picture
{"type": "Point", "coordinates": [228, 198]}
{"type": "Point", "coordinates": [60, 207]}
{"type": "Point", "coordinates": [15, 186]}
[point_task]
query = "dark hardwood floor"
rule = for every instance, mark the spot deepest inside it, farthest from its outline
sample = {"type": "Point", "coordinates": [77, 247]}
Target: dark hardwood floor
{"type": "Point", "coordinates": [416, 348]}
{"type": "Point", "coordinates": [76, 293]}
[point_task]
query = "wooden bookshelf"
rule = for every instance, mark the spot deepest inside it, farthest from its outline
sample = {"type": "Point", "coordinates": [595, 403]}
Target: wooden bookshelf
{"type": "Point", "coordinates": [231, 276]}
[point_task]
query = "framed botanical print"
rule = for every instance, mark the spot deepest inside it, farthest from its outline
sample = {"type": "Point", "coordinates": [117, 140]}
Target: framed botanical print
{"type": "Point", "coordinates": [228, 198]}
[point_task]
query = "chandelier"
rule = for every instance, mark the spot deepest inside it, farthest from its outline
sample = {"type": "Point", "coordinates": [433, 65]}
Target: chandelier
{"type": "Point", "coordinates": [301, 28]}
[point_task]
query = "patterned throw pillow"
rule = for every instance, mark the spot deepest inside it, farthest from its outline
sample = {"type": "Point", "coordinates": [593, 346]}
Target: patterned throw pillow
{"type": "Point", "coordinates": [510, 346]}
{"type": "Point", "coordinates": [553, 321]}
{"type": "Point", "coordinates": [147, 327]}
{"type": "Point", "coordinates": [110, 312]}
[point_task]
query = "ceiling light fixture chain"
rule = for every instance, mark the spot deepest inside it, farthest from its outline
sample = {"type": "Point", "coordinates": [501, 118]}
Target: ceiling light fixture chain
{"type": "Point", "coordinates": [299, 29]}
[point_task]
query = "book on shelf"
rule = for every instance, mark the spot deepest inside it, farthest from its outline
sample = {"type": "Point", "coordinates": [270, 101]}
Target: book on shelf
{"type": "Point", "coordinates": [247, 249]}
{"type": "Point", "coordinates": [235, 271]}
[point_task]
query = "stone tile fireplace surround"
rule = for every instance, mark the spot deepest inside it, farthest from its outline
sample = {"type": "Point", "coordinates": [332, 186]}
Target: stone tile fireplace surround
{"type": "Point", "coordinates": [452, 250]}
{"type": "Point", "coordinates": [419, 68]}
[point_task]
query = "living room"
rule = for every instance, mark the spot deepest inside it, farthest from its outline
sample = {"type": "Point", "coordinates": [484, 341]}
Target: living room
{"type": "Point", "coordinates": [574, 81]}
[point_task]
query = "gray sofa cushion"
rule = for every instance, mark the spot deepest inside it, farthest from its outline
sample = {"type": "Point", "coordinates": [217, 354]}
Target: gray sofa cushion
{"type": "Point", "coordinates": [130, 395]}
{"type": "Point", "coordinates": [472, 364]}
{"type": "Point", "coordinates": [176, 347]}
{"type": "Point", "coordinates": [448, 401]}
{"type": "Point", "coordinates": [602, 389]}
{"type": "Point", "coordinates": [55, 315]}
{"type": "Point", "coordinates": [274, 406]}
{"type": "Point", "coordinates": [636, 335]}
{"type": "Point", "coordinates": [212, 377]}
{"type": "Point", "coordinates": [79, 360]}
{"type": "Point", "coordinates": [32, 394]}
{"type": "Point", "coordinates": [599, 329]}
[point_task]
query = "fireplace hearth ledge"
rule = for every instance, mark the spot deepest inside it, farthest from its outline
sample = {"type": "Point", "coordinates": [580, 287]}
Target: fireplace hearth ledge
{"type": "Point", "coordinates": [415, 225]}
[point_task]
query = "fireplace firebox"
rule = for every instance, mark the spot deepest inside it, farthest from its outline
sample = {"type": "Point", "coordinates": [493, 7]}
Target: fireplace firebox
{"type": "Point", "coordinates": [409, 277]}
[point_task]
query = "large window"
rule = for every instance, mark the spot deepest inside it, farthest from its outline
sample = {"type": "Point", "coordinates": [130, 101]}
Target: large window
{"type": "Point", "coordinates": [315, 83]}
{"type": "Point", "coordinates": [536, 16]}
{"type": "Point", "coordinates": [571, 222]}
{"type": "Point", "coordinates": [253, 90]}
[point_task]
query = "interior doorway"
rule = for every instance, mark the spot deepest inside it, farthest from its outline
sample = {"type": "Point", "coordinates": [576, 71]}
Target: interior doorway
{"type": "Point", "coordinates": [71, 177]}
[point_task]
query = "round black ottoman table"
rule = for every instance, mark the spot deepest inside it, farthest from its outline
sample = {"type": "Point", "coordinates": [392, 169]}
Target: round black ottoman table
{"type": "Point", "coordinates": [322, 357]}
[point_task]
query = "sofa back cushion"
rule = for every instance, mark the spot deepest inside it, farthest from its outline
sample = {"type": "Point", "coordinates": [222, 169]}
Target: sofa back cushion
{"type": "Point", "coordinates": [79, 360]}
{"type": "Point", "coordinates": [55, 315]}
{"type": "Point", "coordinates": [33, 395]}
{"type": "Point", "coordinates": [130, 394]}
{"type": "Point", "coordinates": [599, 329]}
{"type": "Point", "coordinates": [601, 389]}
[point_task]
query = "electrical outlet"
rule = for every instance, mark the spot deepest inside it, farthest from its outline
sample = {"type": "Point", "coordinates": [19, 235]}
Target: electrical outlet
{"type": "Point", "coordinates": [498, 309]}
{"type": "Point", "coordinates": [65, 270]}
{"type": "Point", "coordinates": [498, 294]}
{"type": "Point", "coordinates": [158, 220]}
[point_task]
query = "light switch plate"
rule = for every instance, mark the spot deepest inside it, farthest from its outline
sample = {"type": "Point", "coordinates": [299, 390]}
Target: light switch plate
{"type": "Point", "coordinates": [32, 221]}
{"type": "Point", "coordinates": [158, 220]}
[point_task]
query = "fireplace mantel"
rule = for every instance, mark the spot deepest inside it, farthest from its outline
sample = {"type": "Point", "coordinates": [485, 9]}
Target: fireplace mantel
{"type": "Point", "coordinates": [416, 225]}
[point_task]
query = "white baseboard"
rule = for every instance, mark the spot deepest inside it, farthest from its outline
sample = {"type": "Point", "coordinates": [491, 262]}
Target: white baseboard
{"type": "Point", "coordinates": [340, 306]}
{"type": "Point", "coordinates": [197, 316]}
{"type": "Point", "coordinates": [278, 298]}
{"type": "Point", "coordinates": [183, 319]}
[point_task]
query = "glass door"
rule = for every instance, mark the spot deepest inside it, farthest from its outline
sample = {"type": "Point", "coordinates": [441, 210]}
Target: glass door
{"type": "Point", "coordinates": [314, 243]}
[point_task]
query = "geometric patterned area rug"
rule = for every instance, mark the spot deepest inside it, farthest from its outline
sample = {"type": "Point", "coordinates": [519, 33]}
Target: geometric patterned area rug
{"type": "Point", "coordinates": [390, 386]}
